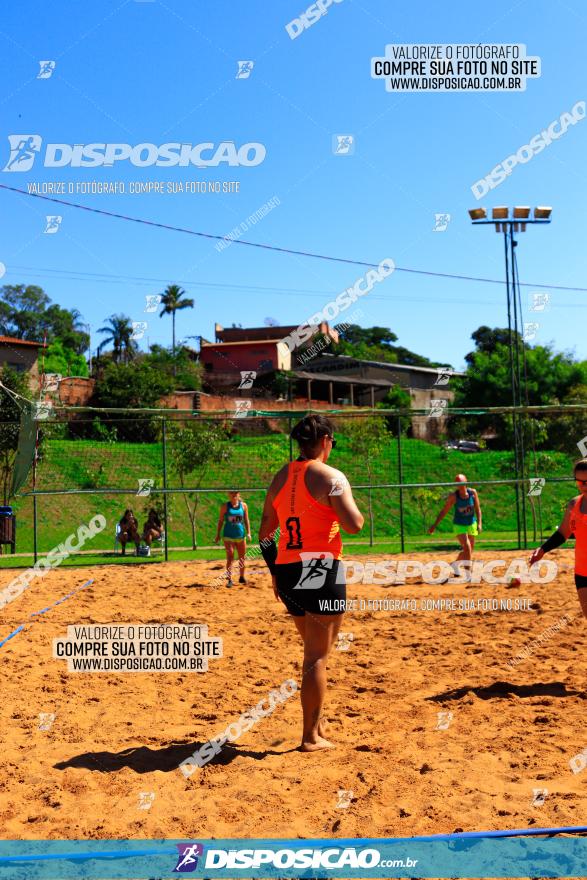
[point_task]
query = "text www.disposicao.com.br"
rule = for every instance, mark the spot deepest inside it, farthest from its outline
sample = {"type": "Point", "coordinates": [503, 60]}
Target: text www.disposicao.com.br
{"type": "Point", "coordinates": [135, 664]}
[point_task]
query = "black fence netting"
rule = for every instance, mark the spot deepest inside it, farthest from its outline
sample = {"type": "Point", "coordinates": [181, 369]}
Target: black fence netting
{"type": "Point", "coordinates": [402, 466]}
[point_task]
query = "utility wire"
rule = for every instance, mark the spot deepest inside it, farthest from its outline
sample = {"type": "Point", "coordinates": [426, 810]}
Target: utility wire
{"type": "Point", "coordinates": [270, 247]}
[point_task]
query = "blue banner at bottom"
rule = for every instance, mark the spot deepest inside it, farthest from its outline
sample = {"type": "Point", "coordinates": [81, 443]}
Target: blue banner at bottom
{"type": "Point", "coordinates": [452, 856]}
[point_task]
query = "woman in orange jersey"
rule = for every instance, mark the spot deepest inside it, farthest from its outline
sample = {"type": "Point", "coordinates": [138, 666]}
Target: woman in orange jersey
{"type": "Point", "coordinates": [574, 523]}
{"type": "Point", "coordinates": [310, 502]}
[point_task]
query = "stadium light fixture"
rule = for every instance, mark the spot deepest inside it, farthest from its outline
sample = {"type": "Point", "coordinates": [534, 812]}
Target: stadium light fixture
{"type": "Point", "coordinates": [515, 219]}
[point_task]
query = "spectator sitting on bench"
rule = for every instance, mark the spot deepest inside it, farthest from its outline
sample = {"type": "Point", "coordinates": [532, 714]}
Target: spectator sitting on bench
{"type": "Point", "coordinates": [129, 530]}
{"type": "Point", "coordinates": [153, 528]}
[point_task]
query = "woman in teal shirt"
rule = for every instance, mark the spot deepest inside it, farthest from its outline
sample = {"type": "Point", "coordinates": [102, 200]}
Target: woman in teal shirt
{"type": "Point", "coordinates": [235, 526]}
{"type": "Point", "coordinates": [466, 519]}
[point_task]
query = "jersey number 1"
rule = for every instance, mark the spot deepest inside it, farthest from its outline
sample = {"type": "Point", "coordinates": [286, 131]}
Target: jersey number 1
{"type": "Point", "coordinates": [292, 525]}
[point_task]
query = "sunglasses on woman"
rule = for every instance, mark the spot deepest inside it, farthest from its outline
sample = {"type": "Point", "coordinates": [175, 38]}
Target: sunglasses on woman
{"type": "Point", "coordinates": [332, 440]}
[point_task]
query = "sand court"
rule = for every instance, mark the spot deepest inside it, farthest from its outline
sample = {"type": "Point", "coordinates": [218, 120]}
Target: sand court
{"type": "Point", "coordinates": [444, 720]}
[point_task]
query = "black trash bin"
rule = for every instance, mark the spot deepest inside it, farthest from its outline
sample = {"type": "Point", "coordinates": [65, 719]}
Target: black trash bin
{"type": "Point", "coordinates": [7, 527]}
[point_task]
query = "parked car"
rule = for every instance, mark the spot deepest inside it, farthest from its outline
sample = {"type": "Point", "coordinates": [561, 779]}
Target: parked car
{"type": "Point", "coordinates": [463, 445]}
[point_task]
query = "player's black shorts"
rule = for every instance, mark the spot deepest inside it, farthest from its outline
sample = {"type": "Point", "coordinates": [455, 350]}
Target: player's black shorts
{"type": "Point", "coordinates": [316, 586]}
{"type": "Point", "coordinates": [581, 581]}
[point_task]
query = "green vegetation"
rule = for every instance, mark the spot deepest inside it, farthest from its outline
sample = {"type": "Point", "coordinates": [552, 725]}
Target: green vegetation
{"type": "Point", "coordinates": [195, 448]}
{"type": "Point", "coordinates": [90, 464]}
{"type": "Point", "coordinates": [26, 312]}
{"type": "Point", "coordinates": [377, 344]}
{"type": "Point", "coordinates": [173, 301]}
{"type": "Point", "coordinates": [117, 450]}
{"type": "Point", "coordinates": [367, 439]}
{"type": "Point", "coordinates": [551, 379]}
{"type": "Point", "coordinates": [119, 333]}
{"type": "Point", "coordinates": [9, 427]}
{"type": "Point", "coordinates": [63, 360]}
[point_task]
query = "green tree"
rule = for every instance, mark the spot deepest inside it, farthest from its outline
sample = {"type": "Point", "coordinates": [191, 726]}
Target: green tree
{"type": "Point", "coordinates": [427, 499]}
{"type": "Point", "coordinates": [376, 344]}
{"type": "Point", "coordinates": [549, 378]}
{"type": "Point", "coordinates": [486, 339]}
{"type": "Point", "coordinates": [565, 431]}
{"type": "Point", "coordinates": [378, 336]}
{"type": "Point", "coordinates": [21, 311]}
{"type": "Point", "coordinates": [9, 426]}
{"type": "Point", "coordinates": [185, 372]}
{"type": "Point", "coordinates": [132, 386]}
{"type": "Point", "coordinates": [66, 325]}
{"type": "Point", "coordinates": [282, 383]}
{"type": "Point", "coordinates": [118, 330]}
{"type": "Point", "coordinates": [195, 447]}
{"type": "Point", "coordinates": [60, 359]}
{"type": "Point", "coordinates": [487, 382]}
{"type": "Point", "coordinates": [172, 302]}
{"type": "Point", "coordinates": [367, 438]}
{"type": "Point", "coordinates": [397, 398]}
{"type": "Point", "coordinates": [26, 312]}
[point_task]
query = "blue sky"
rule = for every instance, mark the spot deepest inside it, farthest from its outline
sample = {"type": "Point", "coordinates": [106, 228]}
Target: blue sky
{"type": "Point", "coordinates": [134, 72]}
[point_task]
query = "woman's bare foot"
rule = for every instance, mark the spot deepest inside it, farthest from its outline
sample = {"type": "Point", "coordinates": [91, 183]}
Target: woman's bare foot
{"type": "Point", "coordinates": [315, 743]}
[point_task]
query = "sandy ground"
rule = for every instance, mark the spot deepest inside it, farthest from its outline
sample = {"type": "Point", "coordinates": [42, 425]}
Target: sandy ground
{"type": "Point", "coordinates": [116, 736]}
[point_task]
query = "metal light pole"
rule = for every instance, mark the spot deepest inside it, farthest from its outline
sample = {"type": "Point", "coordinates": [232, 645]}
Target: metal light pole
{"type": "Point", "coordinates": [89, 345]}
{"type": "Point", "coordinates": [509, 226]}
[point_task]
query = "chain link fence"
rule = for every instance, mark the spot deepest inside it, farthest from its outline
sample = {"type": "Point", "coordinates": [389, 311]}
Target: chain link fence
{"type": "Point", "coordinates": [183, 464]}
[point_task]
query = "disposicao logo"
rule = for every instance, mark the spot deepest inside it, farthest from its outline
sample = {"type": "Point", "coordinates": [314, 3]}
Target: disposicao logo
{"type": "Point", "coordinates": [23, 151]}
{"type": "Point", "coordinates": [187, 860]}
{"type": "Point", "coordinates": [25, 147]}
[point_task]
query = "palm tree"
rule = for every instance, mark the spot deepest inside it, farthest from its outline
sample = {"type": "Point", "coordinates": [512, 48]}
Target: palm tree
{"type": "Point", "coordinates": [172, 301]}
{"type": "Point", "coordinates": [119, 329]}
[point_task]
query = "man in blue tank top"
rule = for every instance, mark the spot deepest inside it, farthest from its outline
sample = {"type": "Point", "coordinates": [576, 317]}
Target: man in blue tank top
{"type": "Point", "coordinates": [466, 520]}
{"type": "Point", "coordinates": [234, 522]}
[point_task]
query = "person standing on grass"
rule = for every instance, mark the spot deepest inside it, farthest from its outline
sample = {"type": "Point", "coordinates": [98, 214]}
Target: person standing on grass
{"type": "Point", "coordinates": [467, 519]}
{"type": "Point", "coordinates": [236, 528]}
{"type": "Point", "coordinates": [310, 502]}
{"type": "Point", "coordinates": [574, 523]}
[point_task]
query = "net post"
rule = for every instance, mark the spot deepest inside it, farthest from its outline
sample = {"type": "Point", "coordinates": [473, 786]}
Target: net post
{"type": "Point", "coordinates": [400, 481]}
{"type": "Point", "coordinates": [35, 554]}
{"type": "Point", "coordinates": [523, 464]}
{"type": "Point", "coordinates": [35, 521]}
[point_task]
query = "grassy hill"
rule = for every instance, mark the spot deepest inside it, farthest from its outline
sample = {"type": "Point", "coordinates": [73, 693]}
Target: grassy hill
{"type": "Point", "coordinates": [88, 465]}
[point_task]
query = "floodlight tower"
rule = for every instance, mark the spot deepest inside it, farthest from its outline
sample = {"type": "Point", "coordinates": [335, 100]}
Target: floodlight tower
{"type": "Point", "coordinates": [510, 221]}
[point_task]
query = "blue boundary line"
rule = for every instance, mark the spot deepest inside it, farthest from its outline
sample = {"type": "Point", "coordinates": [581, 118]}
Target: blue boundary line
{"type": "Point", "coordinates": [341, 842]}
{"type": "Point", "coordinates": [43, 611]}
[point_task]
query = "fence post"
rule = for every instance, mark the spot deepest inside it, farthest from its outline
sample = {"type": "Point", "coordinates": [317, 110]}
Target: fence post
{"type": "Point", "coordinates": [35, 527]}
{"type": "Point", "coordinates": [517, 476]}
{"type": "Point", "coordinates": [164, 452]}
{"type": "Point", "coordinates": [523, 464]}
{"type": "Point", "coordinates": [35, 523]}
{"type": "Point", "coordinates": [400, 480]}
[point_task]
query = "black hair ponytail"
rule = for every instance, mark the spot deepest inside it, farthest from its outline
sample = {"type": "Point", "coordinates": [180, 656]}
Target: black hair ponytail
{"type": "Point", "coordinates": [310, 430]}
